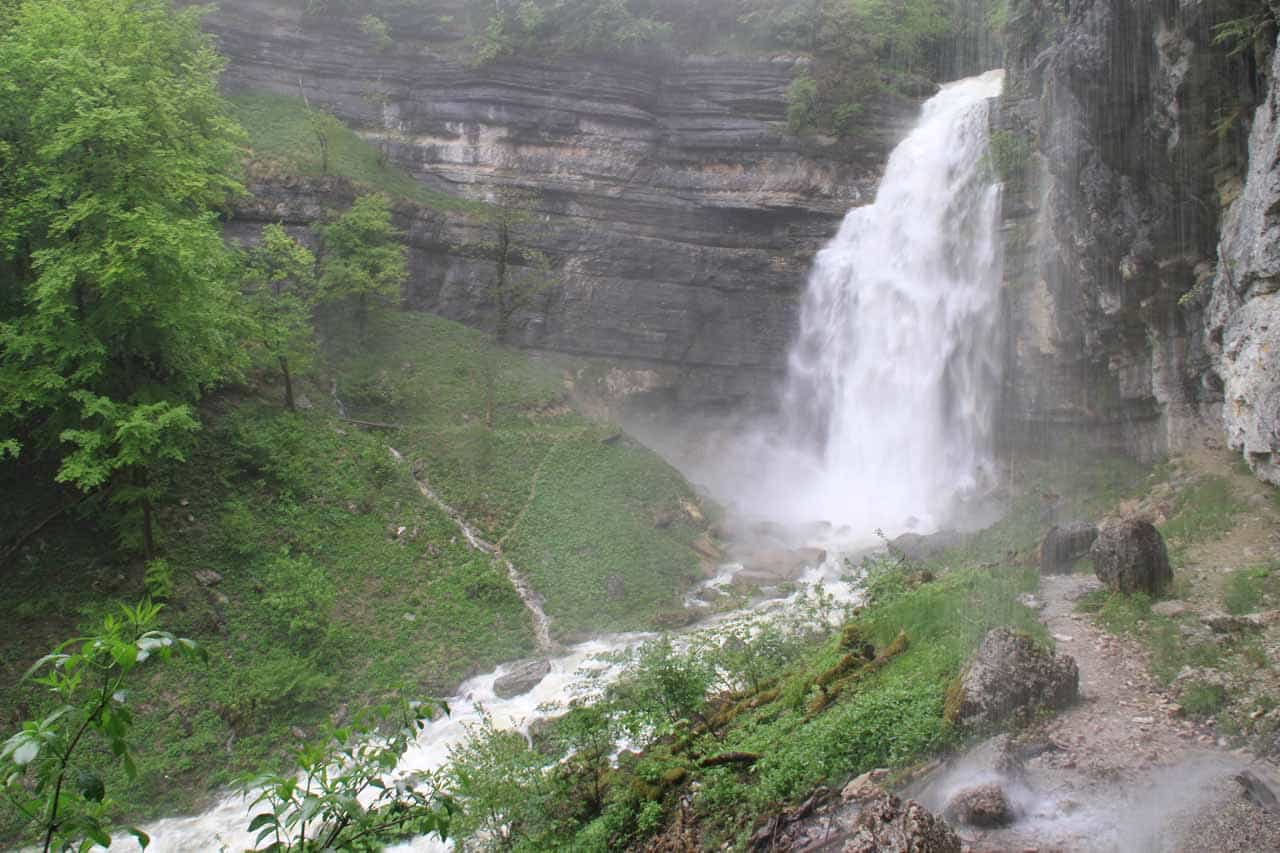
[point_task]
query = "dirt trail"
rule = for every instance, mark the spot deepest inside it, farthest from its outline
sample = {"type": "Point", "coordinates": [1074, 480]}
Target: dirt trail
{"type": "Point", "coordinates": [1119, 771]}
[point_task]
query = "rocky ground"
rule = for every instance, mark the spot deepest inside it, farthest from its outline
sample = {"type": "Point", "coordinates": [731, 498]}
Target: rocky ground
{"type": "Point", "coordinates": [1123, 769]}
{"type": "Point", "coordinates": [1131, 765]}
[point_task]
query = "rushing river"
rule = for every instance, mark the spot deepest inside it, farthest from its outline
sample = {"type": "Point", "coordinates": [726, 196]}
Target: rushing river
{"type": "Point", "coordinates": [891, 388]}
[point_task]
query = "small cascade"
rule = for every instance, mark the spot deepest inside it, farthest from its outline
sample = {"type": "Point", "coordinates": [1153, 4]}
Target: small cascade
{"type": "Point", "coordinates": [532, 601]}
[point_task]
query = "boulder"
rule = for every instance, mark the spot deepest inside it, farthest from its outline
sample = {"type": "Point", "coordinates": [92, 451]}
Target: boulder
{"type": "Point", "coordinates": [772, 566]}
{"type": "Point", "coordinates": [887, 823]}
{"type": "Point", "coordinates": [982, 806]}
{"type": "Point", "coordinates": [1064, 544]}
{"type": "Point", "coordinates": [1129, 556]}
{"type": "Point", "coordinates": [916, 546]}
{"type": "Point", "coordinates": [207, 577]}
{"type": "Point", "coordinates": [1009, 676]}
{"type": "Point", "coordinates": [521, 678]}
{"type": "Point", "coordinates": [706, 547]}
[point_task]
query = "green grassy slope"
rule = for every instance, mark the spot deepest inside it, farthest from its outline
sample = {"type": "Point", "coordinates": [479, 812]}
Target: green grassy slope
{"type": "Point", "coordinates": [571, 501]}
{"type": "Point", "coordinates": [339, 581]}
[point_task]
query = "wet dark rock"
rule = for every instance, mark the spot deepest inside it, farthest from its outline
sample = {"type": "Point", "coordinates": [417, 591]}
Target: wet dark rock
{"type": "Point", "coordinates": [1064, 544]}
{"type": "Point", "coordinates": [522, 678]}
{"type": "Point", "coordinates": [983, 806]}
{"type": "Point", "coordinates": [1129, 556]}
{"type": "Point", "coordinates": [887, 823]}
{"type": "Point", "coordinates": [1008, 677]}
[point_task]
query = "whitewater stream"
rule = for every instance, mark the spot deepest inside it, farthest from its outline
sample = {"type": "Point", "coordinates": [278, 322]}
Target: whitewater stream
{"type": "Point", "coordinates": [891, 387]}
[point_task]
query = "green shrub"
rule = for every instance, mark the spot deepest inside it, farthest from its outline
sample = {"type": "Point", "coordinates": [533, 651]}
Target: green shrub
{"type": "Point", "coordinates": [802, 104]}
{"type": "Point", "coordinates": [1201, 699]}
{"type": "Point", "coordinates": [1244, 589]}
{"type": "Point", "coordinates": [158, 580]}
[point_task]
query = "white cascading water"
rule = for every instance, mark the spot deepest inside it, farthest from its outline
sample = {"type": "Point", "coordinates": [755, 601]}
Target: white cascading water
{"type": "Point", "coordinates": [891, 388]}
{"type": "Point", "coordinates": [894, 376]}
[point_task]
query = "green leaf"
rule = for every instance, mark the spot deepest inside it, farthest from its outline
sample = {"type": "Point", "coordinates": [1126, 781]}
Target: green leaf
{"type": "Point", "coordinates": [141, 837]}
{"type": "Point", "coordinates": [264, 819]}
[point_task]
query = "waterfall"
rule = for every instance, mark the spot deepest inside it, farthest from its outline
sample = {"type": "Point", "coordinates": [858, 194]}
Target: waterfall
{"type": "Point", "coordinates": [892, 383]}
{"type": "Point", "coordinates": [894, 375]}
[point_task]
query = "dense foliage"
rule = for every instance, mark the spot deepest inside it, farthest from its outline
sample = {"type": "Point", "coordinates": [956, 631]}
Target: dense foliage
{"type": "Point", "coordinates": [118, 297]}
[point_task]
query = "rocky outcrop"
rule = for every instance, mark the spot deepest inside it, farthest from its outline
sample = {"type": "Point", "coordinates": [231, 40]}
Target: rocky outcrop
{"type": "Point", "coordinates": [520, 678]}
{"type": "Point", "coordinates": [679, 216]}
{"type": "Point", "coordinates": [1010, 677]}
{"type": "Point", "coordinates": [1123, 127]}
{"type": "Point", "coordinates": [1064, 544]}
{"type": "Point", "coordinates": [1244, 309]}
{"type": "Point", "coordinates": [888, 823]}
{"type": "Point", "coordinates": [1130, 556]}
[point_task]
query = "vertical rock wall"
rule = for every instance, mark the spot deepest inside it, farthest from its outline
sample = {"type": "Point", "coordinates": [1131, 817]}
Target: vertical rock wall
{"type": "Point", "coordinates": [1124, 130]}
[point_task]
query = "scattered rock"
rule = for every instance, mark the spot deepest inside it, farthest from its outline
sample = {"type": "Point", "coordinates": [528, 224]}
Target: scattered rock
{"type": "Point", "coordinates": [1257, 792]}
{"type": "Point", "coordinates": [663, 518]}
{"type": "Point", "coordinates": [615, 587]}
{"type": "Point", "coordinates": [207, 577]}
{"type": "Point", "coordinates": [772, 566]}
{"type": "Point", "coordinates": [982, 806]}
{"type": "Point", "coordinates": [1031, 601]}
{"type": "Point", "coordinates": [1009, 676]}
{"type": "Point", "coordinates": [1129, 556]}
{"type": "Point", "coordinates": [916, 546]}
{"type": "Point", "coordinates": [522, 678]}
{"type": "Point", "coordinates": [864, 787]}
{"type": "Point", "coordinates": [1173, 609]}
{"type": "Point", "coordinates": [707, 548]}
{"type": "Point", "coordinates": [1064, 544]}
{"type": "Point", "coordinates": [887, 823]}
{"type": "Point", "coordinates": [1225, 623]}
{"type": "Point", "coordinates": [691, 510]}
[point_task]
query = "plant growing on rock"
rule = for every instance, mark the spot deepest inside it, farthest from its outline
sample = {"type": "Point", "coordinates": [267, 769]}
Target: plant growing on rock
{"type": "Point", "coordinates": [52, 775]}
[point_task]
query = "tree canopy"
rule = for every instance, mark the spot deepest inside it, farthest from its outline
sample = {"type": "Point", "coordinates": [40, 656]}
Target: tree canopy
{"type": "Point", "coordinates": [118, 297]}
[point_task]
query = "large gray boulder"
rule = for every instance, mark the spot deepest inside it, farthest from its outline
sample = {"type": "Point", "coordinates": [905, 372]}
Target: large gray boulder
{"type": "Point", "coordinates": [1009, 676]}
{"type": "Point", "coordinates": [887, 823]}
{"type": "Point", "coordinates": [1064, 544]}
{"type": "Point", "coordinates": [1129, 556]}
{"type": "Point", "coordinates": [984, 806]}
{"type": "Point", "coordinates": [522, 678]}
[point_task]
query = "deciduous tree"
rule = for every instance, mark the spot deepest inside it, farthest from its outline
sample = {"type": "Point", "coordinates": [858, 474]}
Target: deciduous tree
{"type": "Point", "coordinates": [118, 298]}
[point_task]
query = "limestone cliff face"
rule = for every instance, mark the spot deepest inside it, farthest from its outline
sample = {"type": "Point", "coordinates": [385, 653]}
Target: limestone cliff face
{"type": "Point", "coordinates": [1136, 130]}
{"type": "Point", "coordinates": [678, 214]}
{"type": "Point", "coordinates": [1243, 318]}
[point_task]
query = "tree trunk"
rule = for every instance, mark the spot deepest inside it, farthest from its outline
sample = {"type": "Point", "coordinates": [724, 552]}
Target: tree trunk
{"type": "Point", "coordinates": [288, 384]}
{"type": "Point", "coordinates": [148, 539]}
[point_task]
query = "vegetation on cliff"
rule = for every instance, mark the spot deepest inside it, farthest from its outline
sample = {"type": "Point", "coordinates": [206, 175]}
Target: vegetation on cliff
{"type": "Point", "coordinates": [175, 426]}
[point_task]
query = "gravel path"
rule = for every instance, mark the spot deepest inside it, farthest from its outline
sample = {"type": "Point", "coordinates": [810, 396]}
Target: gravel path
{"type": "Point", "coordinates": [1119, 771]}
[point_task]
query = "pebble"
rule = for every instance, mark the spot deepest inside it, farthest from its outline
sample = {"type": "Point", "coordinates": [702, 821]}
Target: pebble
{"type": "Point", "coordinates": [1143, 721]}
{"type": "Point", "coordinates": [1063, 638]}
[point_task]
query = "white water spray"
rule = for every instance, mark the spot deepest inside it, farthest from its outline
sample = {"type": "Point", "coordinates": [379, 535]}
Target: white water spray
{"type": "Point", "coordinates": [894, 376]}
